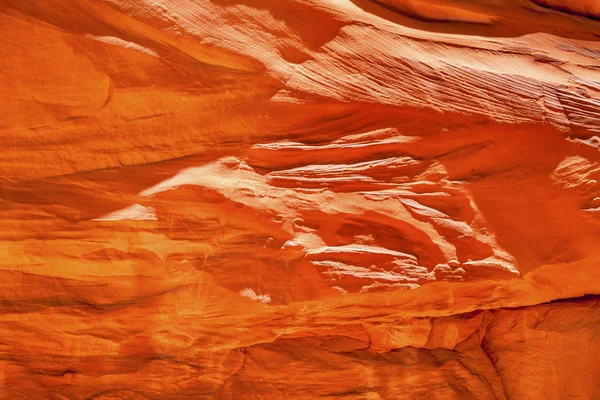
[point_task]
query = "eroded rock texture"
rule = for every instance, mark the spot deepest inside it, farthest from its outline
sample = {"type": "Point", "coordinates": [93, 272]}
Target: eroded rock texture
{"type": "Point", "coordinates": [293, 199]}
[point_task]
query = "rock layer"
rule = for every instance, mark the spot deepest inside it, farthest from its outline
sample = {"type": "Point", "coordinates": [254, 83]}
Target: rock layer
{"type": "Point", "coordinates": [300, 198]}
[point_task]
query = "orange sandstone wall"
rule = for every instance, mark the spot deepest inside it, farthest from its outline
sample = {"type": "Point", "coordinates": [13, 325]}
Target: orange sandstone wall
{"type": "Point", "coordinates": [292, 199]}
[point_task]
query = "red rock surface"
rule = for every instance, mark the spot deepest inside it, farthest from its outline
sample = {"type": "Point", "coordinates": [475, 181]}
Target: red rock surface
{"type": "Point", "coordinates": [292, 199]}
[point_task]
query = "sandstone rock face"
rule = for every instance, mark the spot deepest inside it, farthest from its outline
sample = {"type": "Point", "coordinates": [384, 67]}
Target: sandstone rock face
{"type": "Point", "coordinates": [292, 199]}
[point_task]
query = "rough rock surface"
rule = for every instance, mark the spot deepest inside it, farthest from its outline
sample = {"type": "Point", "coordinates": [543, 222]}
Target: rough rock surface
{"type": "Point", "coordinates": [275, 199]}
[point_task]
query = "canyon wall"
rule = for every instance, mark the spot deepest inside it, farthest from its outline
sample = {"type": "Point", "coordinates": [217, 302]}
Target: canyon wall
{"type": "Point", "coordinates": [293, 199]}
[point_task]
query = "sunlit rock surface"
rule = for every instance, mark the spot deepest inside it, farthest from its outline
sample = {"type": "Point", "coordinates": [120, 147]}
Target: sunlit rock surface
{"type": "Point", "coordinates": [292, 199]}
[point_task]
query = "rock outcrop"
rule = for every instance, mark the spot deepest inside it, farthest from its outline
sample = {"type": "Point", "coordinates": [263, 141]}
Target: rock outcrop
{"type": "Point", "coordinates": [277, 199]}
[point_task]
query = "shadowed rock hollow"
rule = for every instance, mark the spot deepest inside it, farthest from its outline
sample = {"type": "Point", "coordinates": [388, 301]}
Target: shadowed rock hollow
{"type": "Point", "coordinates": [275, 199]}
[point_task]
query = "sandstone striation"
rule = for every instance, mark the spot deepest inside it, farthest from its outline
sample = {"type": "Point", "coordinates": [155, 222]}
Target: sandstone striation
{"type": "Point", "coordinates": [275, 199]}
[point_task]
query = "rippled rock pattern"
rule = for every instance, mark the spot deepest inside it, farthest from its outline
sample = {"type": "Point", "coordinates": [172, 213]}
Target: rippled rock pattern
{"type": "Point", "coordinates": [294, 199]}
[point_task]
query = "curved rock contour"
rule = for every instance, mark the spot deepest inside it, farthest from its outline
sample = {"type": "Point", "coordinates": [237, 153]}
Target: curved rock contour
{"type": "Point", "coordinates": [300, 198]}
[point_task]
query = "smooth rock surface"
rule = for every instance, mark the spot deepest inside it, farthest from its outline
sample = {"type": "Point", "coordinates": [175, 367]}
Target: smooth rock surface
{"type": "Point", "coordinates": [275, 199]}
